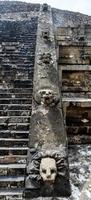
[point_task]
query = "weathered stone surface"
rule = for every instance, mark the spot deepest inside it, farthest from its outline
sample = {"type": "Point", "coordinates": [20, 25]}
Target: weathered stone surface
{"type": "Point", "coordinates": [86, 191]}
{"type": "Point", "coordinates": [74, 54]}
{"type": "Point", "coordinates": [76, 81]}
{"type": "Point", "coordinates": [80, 169]}
{"type": "Point", "coordinates": [15, 65]}
{"type": "Point", "coordinates": [48, 138]}
{"type": "Point", "coordinates": [18, 25]}
{"type": "Point", "coordinates": [63, 18]}
{"type": "Point", "coordinates": [74, 46]}
{"type": "Point", "coordinates": [46, 73]}
{"type": "Point", "coordinates": [47, 126]}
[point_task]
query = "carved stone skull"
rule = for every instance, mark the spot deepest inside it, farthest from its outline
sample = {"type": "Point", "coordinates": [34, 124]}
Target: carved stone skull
{"type": "Point", "coordinates": [48, 170]}
{"type": "Point", "coordinates": [47, 97]}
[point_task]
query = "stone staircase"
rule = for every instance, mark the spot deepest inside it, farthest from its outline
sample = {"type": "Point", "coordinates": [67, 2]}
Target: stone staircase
{"type": "Point", "coordinates": [17, 52]}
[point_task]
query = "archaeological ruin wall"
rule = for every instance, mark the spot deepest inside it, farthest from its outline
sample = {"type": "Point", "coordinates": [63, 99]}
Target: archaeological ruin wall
{"type": "Point", "coordinates": [18, 34]}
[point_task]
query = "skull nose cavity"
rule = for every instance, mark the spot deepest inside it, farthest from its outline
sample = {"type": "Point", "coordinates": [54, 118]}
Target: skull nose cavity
{"type": "Point", "coordinates": [44, 171]}
{"type": "Point", "coordinates": [48, 175]}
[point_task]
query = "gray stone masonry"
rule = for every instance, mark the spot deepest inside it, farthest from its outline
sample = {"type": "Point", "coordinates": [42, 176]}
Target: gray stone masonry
{"type": "Point", "coordinates": [47, 137]}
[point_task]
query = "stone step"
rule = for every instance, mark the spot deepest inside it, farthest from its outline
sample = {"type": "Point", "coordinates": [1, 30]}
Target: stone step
{"type": "Point", "coordinates": [13, 156]}
{"type": "Point", "coordinates": [20, 112]}
{"type": "Point", "coordinates": [16, 90]}
{"type": "Point", "coordinates": [15, 100]}
{"type": "Point", "coordinates": [16, 95]}
{"type": "Point", "coordinates": [14, 134]}
{"type": "Point", "coordinates": [15, 107]}
{"type": "Point", "coordinates": [11, 182]}
{"type": "Point", "coordinates": [14, 119]}
{"type": "Point", "coordinates": [15, 126]}
{"type": "Point", "coordinates": [12, 166]}
{"type": "Point", "coordinates": [18, 53]}
{"type": "Point", "coordinates": [10, 142]}
{"type": "Point", "coordinates": [22, 82]}
{"type": "Point", "coordinates": [4, 151]}
{"type": "Point", "coordinates": [11, 139]}
{"type": "Point", "coordinates": [13, 60]}
{"type": "Point", "coordinates": [18, 66]}
{"type": "Point", "coordinates": [13, 148]}
{"type": "Point", "coordinates": [12, 169]}
{"type": "Point", "coordinates": [16, 71]}
{"type": "Point", "coordinates": [11, 192]}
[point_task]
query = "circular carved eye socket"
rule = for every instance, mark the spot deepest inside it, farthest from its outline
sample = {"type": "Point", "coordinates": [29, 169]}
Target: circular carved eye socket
{"type": "Point", "coordinates": [44, 171]}
{"type": "Point", "coordinates": [53, 171]}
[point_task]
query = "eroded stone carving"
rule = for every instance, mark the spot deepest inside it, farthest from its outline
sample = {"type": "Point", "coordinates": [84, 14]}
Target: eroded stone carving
{"type": "Point", "coordinates": [46, 58]}
{"type": "Point", "coordinates": [47, 160]}
{"type": "Point", "coordinates": [45, 34]}
{"type": "Point", "coordinates": [48, 170]}
{"type": "Point", "coordinates": [45, 183]}
{"type": "Point", "coordinates": [47, 97]}
{"type": "Point", "coordinates": [45, 7]}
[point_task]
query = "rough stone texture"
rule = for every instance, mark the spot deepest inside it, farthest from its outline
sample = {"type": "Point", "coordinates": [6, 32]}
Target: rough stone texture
{"type": "Point", "coordinates": [64, 18]}
{"type": "Point", "coordinates": [76, 81]}
{"type": "Point", "coordinates": [86, 192]}
{"type": "Point", "coordinates": [20, 112]}
{"type": "Point", "coordinates": [46, 142]}
{"type": "Point", "coordinates": [80, 169]}
{"type": "Point", "coordinates": [17, 52]}
{"type": "Point", "coordinates": [74, 59]}
{"type": "Point", "coordinates": [46, 73]}
{"type": "Point", "coordinates": [16, 6]}
{"type": "Point", "coordinates": [47, 131]}
{"type": "Point", "coordinates": [78, 122]}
